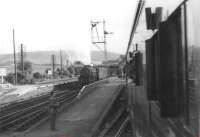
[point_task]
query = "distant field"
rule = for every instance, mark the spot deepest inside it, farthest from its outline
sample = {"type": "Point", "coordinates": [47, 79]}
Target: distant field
{"type": "Point", "coordinates": [36, 68]}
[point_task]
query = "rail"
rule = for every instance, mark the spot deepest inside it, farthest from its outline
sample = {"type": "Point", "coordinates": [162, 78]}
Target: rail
{"type": "Point", "coordinates": [58, 81]}
{"type": "Point", "coordinates": [23, 115]}
{"type": "Point", "coordinates": [54, 82]}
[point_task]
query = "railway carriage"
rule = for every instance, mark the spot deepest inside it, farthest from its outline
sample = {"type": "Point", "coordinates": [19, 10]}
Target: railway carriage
{"type": "Point", "coordinates": [165, 97]}
{"type": "Point", "coordinates": [90, 74]}
{"type": "Point", "coordinates": [103, 72]}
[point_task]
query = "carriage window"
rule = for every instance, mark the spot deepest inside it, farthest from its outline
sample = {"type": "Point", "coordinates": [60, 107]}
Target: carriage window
{"type": "Point", "coordinates": [193, 34]}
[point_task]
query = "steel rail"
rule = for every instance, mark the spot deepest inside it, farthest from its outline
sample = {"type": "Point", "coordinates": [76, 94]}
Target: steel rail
{"type": "Point", "coordinates": [116, 126]}
{"type": "Point", "coordinates": [22, 118]}
{"type": "Point", "coordinates": [122, 127]}
{"type": "Point", "coordinates": [111, 123]}
{"type": "Point", "coordinates": [24, 104]}
{"type": "Point", "coordinates": [67, 98]}
{"type": "Point", "coordinates": [35, 106]}
{"type": "Point", "coordinates": [21, 112]}
{"type": "Point", "coordinates": [17, 120]}
{"type": "Point", "coordinates": [65, 81]}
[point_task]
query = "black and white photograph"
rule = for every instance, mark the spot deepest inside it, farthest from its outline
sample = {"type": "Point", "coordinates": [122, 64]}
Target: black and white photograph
{"type": "Point", "coordinates": [99, 68]}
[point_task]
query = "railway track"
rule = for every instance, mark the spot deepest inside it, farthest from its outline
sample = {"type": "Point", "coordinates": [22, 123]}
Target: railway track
{"type": "Point", "coordinates": [58, 81]}
{"type": "Point", "coordinates": [117, 126]}
{"type": "Point", "coordinates": [23, 115]}
{"type": "Point", "coordinates": [116, 123]}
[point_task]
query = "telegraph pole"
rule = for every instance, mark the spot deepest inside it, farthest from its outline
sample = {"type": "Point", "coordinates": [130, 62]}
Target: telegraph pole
{"type": "Point", "coordinates": [15, 66]}
{"type": "Point", "coordinates": [22, 58]}
{"type": "Point", "coordinates": [67, 63]}
{"type": "Point", "coordinates": [104, 35]}
{"type": "Point", "coordinates": [53, 65]}
{"type": "Point", "coordinates": [61, 67]}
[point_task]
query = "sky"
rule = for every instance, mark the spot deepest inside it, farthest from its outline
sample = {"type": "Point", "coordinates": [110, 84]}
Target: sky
{"type": "Point", "coordinates": [64, 24]}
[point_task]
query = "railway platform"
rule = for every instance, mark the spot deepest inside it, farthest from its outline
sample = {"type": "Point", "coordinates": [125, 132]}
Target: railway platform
{"type": "Point", "coordinates": [79, 119]}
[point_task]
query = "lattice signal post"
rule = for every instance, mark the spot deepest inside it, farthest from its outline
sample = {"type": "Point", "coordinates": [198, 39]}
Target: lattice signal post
{"type": "Point", "coordinates": [96, 39]}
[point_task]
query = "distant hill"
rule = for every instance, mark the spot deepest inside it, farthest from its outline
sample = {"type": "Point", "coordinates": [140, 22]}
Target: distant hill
{"type": "Point", "coordinates": [44, 57]}
{"type": "Point", "coordinates": [98, 56]}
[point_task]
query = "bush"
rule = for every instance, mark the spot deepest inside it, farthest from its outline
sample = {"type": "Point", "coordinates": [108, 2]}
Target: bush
{"type": "Point", "coordinates": [37, 75]}
{"type": "Point", "coordinates": [10, 78]}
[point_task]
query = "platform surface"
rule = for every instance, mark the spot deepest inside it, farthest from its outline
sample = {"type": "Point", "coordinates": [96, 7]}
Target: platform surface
{"type": "Point", "coordinates": [79, 119]}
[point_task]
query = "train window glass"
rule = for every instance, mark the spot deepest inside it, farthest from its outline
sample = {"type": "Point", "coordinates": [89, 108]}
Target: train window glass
{"type": "Point", "coordinates": [190, 54]}
{"type": "Point", "coordinates": [193, 35]}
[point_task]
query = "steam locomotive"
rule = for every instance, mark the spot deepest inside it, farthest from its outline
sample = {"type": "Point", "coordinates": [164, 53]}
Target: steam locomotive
{"type": "Point", "coordinates": [90, 74]}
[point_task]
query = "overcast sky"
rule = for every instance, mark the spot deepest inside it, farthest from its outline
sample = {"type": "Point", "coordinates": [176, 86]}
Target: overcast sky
{"type": "Point", "coordinates": [63, 24]}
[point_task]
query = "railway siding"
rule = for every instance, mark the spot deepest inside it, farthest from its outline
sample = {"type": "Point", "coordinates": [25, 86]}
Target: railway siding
{"type": "Point", "coordinates": [80, 117]}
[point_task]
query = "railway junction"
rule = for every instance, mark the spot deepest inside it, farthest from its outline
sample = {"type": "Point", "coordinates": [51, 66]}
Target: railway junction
{"type": "Point", "coordinates": [150, 91]}
{"type": "Point", "coordinates": [98, 109]}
